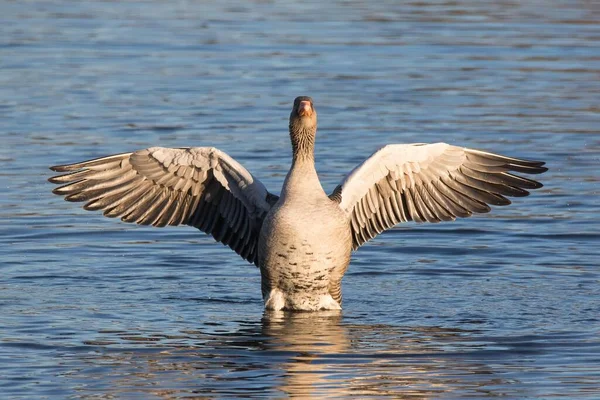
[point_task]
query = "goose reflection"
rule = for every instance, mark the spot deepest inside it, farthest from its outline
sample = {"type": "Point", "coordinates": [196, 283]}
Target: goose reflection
{"type": "Point", "coordinates": [306, 355]}
{"type": "Point", "coordinates": [330, 357]}
{"type": "Point", "coordinates": [312, 337]}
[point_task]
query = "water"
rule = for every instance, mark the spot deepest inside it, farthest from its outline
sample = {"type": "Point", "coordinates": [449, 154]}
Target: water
{"type": "Point", "coordinates": [504, 304]}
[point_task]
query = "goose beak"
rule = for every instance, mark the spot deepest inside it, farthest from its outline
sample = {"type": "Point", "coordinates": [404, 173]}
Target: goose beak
{"type": "Point", "coordinates": [305, 109]}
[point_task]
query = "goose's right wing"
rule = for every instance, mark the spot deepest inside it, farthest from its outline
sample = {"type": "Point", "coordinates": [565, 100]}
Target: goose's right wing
{"type": "Point", "coordinates": [428, 183]}
{"type": "Point", "coordinates": [201, 187]}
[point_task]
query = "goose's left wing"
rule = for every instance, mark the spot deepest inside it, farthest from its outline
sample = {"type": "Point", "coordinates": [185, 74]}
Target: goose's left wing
{"type": "Point", "coordinates": [428, 183]}
{"type": "Point", "coordinates": [201, 186]}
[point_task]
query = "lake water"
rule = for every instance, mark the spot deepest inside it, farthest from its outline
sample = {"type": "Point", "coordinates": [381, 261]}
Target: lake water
{"type": "Point", "coordinates": [501, 305]}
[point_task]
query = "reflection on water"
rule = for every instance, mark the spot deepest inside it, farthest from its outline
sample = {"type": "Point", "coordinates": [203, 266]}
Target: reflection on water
{"type": "Point", "coordinates": [316, 355]}
{"type": "Point", "coordinates": [502, 305]}
{"type": "Point", "coordinates": [314, 340]}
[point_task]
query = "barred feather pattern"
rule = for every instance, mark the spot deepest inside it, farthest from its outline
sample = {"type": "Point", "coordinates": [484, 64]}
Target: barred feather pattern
{"type": "Point", "coordinates": [303, 140]}
{"type": "Point", "coordinates": [429, 183]}
{"type": "Point", "coordinates": [202, 187]}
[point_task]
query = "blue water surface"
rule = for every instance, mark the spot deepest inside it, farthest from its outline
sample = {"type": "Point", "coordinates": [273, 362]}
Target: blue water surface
{"type": "Point", "coordinates": [505, 304]}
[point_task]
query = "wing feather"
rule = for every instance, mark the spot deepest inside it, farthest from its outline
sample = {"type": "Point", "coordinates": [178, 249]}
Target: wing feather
{"type": "Point", "coordinates": [429, 183]}
{"type": "Point", "coordinates": [202, 187]}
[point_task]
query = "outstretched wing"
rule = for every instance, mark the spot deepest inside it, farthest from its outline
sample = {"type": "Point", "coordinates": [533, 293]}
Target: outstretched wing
{"type": "Point", "coordinates": [428, 183]}
{"type": "Point", "coordinates": [201, 187]}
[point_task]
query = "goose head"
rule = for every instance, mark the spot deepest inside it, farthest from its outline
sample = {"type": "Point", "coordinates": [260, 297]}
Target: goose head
{"type": "Point", "coordinates": [303, 127]}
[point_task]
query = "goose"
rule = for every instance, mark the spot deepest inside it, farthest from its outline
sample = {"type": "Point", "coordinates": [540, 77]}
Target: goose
{"type": "Point", "coordinates": [302, 239]}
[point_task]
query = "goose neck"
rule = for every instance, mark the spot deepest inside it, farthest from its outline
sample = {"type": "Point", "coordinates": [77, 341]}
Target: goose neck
{"type": "Point", "coordinates": [303, 145]}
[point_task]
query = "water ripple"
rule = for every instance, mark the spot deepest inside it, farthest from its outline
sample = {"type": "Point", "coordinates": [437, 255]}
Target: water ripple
{"type": "Point", "coordinates": [503, 304]}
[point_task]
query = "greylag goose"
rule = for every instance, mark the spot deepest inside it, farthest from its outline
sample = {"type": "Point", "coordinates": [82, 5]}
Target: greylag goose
{"type": "Point", "coordinates": [302, 239]}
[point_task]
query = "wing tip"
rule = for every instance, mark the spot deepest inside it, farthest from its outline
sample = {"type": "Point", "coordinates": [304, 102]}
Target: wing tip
{"type": "Point", "coordinates": [534, 163]}
{"type": "Point", "coordinates": [527, 168]}
{"type": "Point", "coordinates": [64, 168]}
{"type": "Point", "coordinates": [538, 185]}
{"type": "Point", "coordinates": [58, 179]}
{"type": "Point", "coordinates": [90, 163]}
{"type": "Point", "coordinates": [534, 166]}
